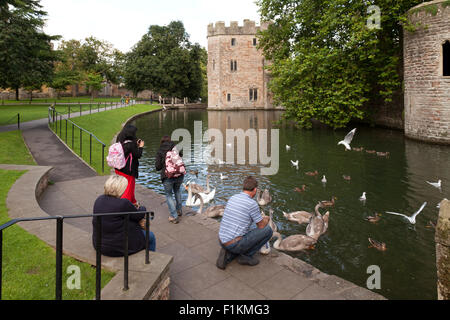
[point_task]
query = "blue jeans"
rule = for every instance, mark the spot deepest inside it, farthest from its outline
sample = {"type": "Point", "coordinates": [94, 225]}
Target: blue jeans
{"type": "Point", "coordinates": [172, 187]}
{"type": "Point", "coordinates": [151, 241]}
{"type": "Point", "coordinates": [251, 242]}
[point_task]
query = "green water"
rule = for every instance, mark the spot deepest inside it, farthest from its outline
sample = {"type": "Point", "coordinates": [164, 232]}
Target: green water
{"type": "Point", "coordinates": [397, 183]}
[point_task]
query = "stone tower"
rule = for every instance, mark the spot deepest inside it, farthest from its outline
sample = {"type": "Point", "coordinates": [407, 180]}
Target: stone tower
{"type": "Point", "coordinates": [427, 73]}
{"type": "Point", "coordinates": [236, 75]}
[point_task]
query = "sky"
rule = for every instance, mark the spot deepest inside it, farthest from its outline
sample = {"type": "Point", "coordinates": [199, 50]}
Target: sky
{"type": "Point", "coordinates": [123, 22]}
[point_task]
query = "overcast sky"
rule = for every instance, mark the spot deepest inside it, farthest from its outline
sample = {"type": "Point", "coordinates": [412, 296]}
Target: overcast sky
{"type": "Point", "coordinates": [123, 22]}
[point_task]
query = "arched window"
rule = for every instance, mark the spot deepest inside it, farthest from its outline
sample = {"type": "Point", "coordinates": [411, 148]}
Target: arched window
{"type": "Point", "coordinates": [446, 59]}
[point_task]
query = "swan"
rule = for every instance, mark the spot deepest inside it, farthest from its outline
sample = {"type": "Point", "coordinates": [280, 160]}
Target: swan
{"type": "Point", "coordinates": [348, 139]}
{"type": "Point", "coordinates": [411, 219]}
{"type": "Point", "coordinates": [196, 188]}
{"type": "Point", "coordinates": [206, 197]}
{"type": "Point", "coordinates": [435, 184]}
{"type": "Point", "coordinates": [296, 242]}
{"type": "Point", "coordinates": [363, 197]}
{"type": "Point", "coordinates": [210, 212]}
{"type": "Point", "coordinates": [324, 180]}
{"type": "Point", "coordinates": [316, 225]}
{"type": "Point", "coordinates": [265, 249]}
{"type": "Point", "coordinates": [265, 199]}
{"type": "Point", "coordinates": [301, 216]}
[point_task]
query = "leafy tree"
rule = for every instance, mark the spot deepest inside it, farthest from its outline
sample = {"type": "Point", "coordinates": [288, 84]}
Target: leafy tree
{"type": "Point", "coordinates": [95, 82]}
{"type": "Point", "coordinates": [26, 56]}
{"type": "Point", "coordinates": [165, 61]}
{"type": "Point", "coordinates": [326, 63]}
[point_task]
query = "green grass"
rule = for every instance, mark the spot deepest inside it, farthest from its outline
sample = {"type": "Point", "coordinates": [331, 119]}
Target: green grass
{"type": "Point", "coordinates": [13, 149]}
{"type": "Point", "coordinates": [29, 263]}
{"type": "Point", "coordinates": [61, 100]}
{"type": "Point", "coordinates": [104, 125]}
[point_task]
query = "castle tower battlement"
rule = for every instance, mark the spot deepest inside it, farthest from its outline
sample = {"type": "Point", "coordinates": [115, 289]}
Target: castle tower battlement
{"type": "Point", "coordinates": [237, 78]}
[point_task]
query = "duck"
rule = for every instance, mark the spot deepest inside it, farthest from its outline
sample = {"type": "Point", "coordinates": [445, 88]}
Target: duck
{"type": "Point", "coordinates": [348, 178]}
{"type": "Point", "coordinates": [324, 179]}
{"type": "Point", "coordinates": [363, 197]}
{"type": "Point", "coordinates": [296, 242]}
{"type": "Point", "coordinates": [358, 149]}
{"type": "Point", "coordinates": [371, 151]}
{"type": "Point", "coordinates": [327, 203]}
{"type": "Point", "coordinates": [375, 218]}
{"type": "Point", "coordinates": [301, 217]}
{"type": "Point", "coordinates": [297, 189]}
{"type": "Point", "coordinates": [381, 246]}
{"type": "Point", "coordinates": [315, 173]}
{"type": "Point", "coordinates": [265, 199]}
{"type": "Point", "coordinates": [383, 154]}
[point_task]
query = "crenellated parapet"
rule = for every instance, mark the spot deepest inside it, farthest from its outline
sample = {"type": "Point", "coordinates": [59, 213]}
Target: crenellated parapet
{"type": "Point", "coordinates": [248, 28]}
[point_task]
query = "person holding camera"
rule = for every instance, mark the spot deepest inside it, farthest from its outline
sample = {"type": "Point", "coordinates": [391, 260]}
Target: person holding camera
{"type": "Point", "coordinates": [112, 227]}
{"type": "Point", "coordinates": [132, 148]}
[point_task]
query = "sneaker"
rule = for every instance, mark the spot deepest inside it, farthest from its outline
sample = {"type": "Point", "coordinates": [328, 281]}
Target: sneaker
{"type": "Point", "coordinates": [173, 220]}
{"type": "Point", "coordinates": [222, 259]}
{"type": "Point", "coordinates": [180, 212]}
{"type": "Point", "coordinates": [246, 260]}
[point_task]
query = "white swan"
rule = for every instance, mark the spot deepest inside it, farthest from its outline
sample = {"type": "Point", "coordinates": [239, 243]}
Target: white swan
{"type": "Point", "coordinates": [411, 219]}
{"type": "Point", "coordinates": [316, 226]}
{"type": "Point", "coordinates": [348, 139]}
{"type": "Point", "coordinates": [301, 217]}
{"type": "Point", "coordinates": [210, 212]}
{"type": "Point", "coordinates": [206, 197]}
{"type": "Point", "coordinates": [196, 188]}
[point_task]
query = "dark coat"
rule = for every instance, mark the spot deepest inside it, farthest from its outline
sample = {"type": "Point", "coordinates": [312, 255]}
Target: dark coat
{"type": "Point", "coordinates": [136, 152]}
{"type": "Point", "coordinates": [160, 159]}
{"type": "Point", "coordinates": [113, 226]}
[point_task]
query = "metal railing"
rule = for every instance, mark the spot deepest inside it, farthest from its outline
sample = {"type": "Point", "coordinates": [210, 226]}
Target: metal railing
{"type": "Point", "coordinates": [53, 121]}
{"type": "Point", "coordinates": [59, 246]}
{"type": "Point", "coordinates": [12, 120]}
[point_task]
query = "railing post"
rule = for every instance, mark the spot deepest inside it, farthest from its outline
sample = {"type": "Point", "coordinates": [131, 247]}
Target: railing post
{"type": "Point", "coordinates": [59, 246]}
{"type": "Point", "coordinates": [18, 121]}
{"type": "Point", "coordinates": [103, 158]}
{"type": "Point", "coordinates": [1, 261]}
{"type": "Point", "coordinates": [90, 108]}
{"type": "Point", "coordinates": [60, 125]}
{"type": "Point", "coordinates": [125, 260]}
{"type": "Point", "coordinates": [147, 237]}
{"type": "Point", "coordinates": [90, 148]}
{"type": "Point", "coordinates": [81, 143]}
{"type": "Point", "coordinates": [69, 111]}
{"type": "Point", "coordinates": [56, 122]}
{"type": "Point", "coordinates": [98, 107]}
{"type": "Point", "coordinates": [80, 107]}
{"type": "Point", "coordinates": [73, 135]}
{"type": "Point", "coordinates": [66, 130]}
{"type": "Point", "coordinates": [98, 264]}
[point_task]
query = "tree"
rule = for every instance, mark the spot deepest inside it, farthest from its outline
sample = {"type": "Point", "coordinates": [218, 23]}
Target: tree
{"type": "Point", "coordinates": [165, 61]}
{"type": "Point", "coordinates": [327, 64]}
{"type": "Point", "coordinates": [26, 56]}
{"type": "Point", "coordinates": [95, 82]}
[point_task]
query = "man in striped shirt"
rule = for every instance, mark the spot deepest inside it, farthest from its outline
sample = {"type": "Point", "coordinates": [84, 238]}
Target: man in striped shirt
{"type": "Point", "coordinates": [236, 236]}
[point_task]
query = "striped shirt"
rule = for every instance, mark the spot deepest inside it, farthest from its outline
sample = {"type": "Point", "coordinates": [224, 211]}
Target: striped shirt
{"type": "Point", "coordinates": [240, 212]}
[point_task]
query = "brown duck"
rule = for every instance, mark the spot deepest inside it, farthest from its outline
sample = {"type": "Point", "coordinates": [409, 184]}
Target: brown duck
{"type": "Point", "coordinates": [381, 246]}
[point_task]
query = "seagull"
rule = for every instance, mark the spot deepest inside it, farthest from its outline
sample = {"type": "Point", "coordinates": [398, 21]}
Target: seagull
{"type": "Point", "coordinates": [411, 219]}
{"type": "Point", "coordinates": [324, 180]}
{"type": "Point", "coordinates": [288, 148]}
{"type": "Point", "coordinates": [435, 184]}
{"type": "Point", "coordinates": [348, 139]}
{"type": "Point", "coordinates": [223, 177]}
{"type": "Point", "coordinates": [295, 164]}
{"type": "Point", "coordinates": [363, 197]}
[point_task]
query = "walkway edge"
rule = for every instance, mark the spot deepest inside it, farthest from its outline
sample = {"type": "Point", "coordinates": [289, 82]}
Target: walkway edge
{"type": "Point", "coordinates": [145, 280]}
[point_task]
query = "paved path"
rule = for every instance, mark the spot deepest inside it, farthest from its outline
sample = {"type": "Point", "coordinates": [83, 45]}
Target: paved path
{"type": "Point", "coordinates": [193, 242]}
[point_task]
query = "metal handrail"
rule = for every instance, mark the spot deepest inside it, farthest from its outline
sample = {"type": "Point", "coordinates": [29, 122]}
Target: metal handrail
{"type": "Point", "coordinates": [59, 246]}
{"type": "Point", "coordinates": [53, 118]}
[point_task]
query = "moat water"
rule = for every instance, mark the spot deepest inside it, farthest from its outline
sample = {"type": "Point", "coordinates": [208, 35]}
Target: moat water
{"type": "Point", "coordinates": [395, 183]}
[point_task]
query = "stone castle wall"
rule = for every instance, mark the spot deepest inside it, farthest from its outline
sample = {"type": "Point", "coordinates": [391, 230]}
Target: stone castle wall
{"type": "Point", "coordinates": [230, 89]}
{"type": "Point", "coordinates": [427, 91]}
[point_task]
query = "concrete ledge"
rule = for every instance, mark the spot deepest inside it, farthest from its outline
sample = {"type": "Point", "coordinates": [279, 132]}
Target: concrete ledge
{"type": "Point", "coordinates": [145, 281]}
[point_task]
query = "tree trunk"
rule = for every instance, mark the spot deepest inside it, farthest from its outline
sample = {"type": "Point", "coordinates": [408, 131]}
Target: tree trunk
{"type": "Point", "coordinates": [17, 94]}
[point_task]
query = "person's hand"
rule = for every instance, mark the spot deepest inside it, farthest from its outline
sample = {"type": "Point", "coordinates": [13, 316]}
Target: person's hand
{"type": "Point", "coordinates": [140, 143]}
{"type": "Point", "coordinates": [142, 223]}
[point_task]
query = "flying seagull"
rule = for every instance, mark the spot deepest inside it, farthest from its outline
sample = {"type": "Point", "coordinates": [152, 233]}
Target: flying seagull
{"type": "Point", "coordinates": [411, 219]}
{"type": "Point", "coordinates": [348, 139]}
{"type": "Point", "coordinates": [295, 164]}
{"type": "Point", "coordinates": [435, 184]}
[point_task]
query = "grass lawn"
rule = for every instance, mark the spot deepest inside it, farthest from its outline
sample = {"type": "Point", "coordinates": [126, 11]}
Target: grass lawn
{"type": "Point", "coordinates": [29, 263]}
{"type": "Point", "coordinates": [61, 100]}
{"type": "Point", "coordinates": [13, 149]}
{"type": "Point", "coordinates": [104, 125]}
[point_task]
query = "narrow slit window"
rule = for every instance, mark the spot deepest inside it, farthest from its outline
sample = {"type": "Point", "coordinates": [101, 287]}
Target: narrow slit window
{"type": "Point", "coordinates": [214, 64]}
{"type": "Point", "coordinates": [233, 41]}
{"type": "Point", "coordinates": [254, 41]}
{"type": "Point", "coordinates": [233, 65]}
{"type": "Point", "coordinates": [229, 97]}
{"type": "Point", "coordinates": [446, 59]}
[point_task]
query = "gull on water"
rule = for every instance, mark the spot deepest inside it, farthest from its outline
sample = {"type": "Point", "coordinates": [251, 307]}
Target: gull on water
{"type": "Point", "coordinates": [363, 197]}
{"type": "Point", "coordinates": [288, 148]}
{"type": "Point", "coordinates": [295, 163]}
{"type": "Point", "coordinates": [348, 139]}
{"type": "Point", "coordinates": [411, 219]}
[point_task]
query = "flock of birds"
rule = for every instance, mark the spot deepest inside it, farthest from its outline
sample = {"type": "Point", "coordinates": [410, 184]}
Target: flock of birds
{"type": "Point", "coordinates": [317, 223]}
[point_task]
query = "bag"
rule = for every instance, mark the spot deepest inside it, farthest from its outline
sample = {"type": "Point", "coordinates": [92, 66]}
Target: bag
{"type": "Point", "coordinates": [174, 164]}
{"type": "Point", "coordinates": [116, 156]}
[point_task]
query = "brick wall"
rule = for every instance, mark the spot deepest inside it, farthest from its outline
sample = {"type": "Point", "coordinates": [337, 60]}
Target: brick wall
{"type": "Point", "coordinates": [427, 91]}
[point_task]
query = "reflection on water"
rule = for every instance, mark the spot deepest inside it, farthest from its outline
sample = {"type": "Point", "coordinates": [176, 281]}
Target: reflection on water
{"type": "Point", "coordinates": [396, 183]}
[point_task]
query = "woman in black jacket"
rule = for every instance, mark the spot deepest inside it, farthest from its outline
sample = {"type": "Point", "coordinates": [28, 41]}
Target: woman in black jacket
{"type": "Point", "coordinates": [113, 226]}
{"type": "Point", "coordinates": [172, 186]}
{"type": "Point", "coordinates": [132, 148]}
